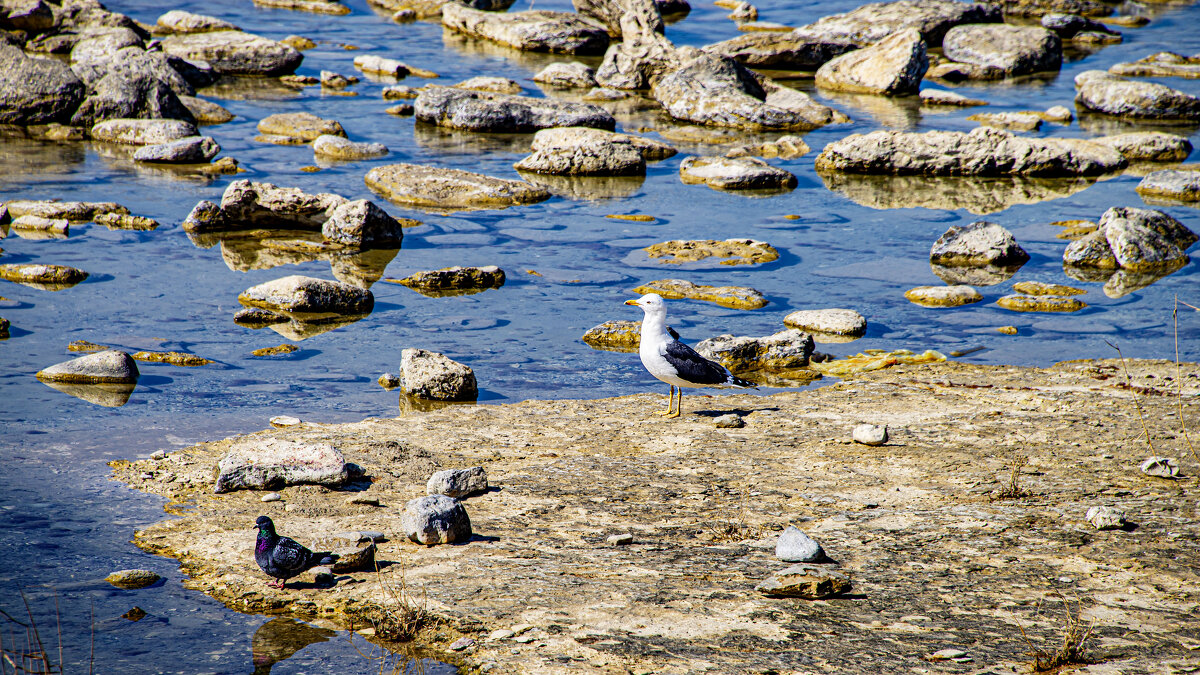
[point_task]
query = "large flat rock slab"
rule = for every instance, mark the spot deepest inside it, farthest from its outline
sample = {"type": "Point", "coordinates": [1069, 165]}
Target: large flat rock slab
{"type": "Point", "coordinates": [272, 464]}
{"type": "Point", "coordinates": [532, 30]}
{"type": "Point", "coordinates": [233, 52]}
{"type": "Point", "coordinates": [473, 110]}
{"type": "Point", "coordinates": [912, 523]}
{"type": "Point", "coordinates": [449, 189]}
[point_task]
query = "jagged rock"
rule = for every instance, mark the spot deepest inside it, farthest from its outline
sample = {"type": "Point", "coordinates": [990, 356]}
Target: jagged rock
{"type": "Point", "coordinates": [735, 251]}
{"type": "Point", "coordinates": [436, 519]}
{"type": "Point", "coordinates": [995, 51]}
{"type": "Point", "coordinates": [738, 297]}
{"type": "Point", "coordinates": [248, 205]}
{"type": "Point", "coordinates": [142, 132]}
{"type": "Point", "coordinates": [828, 321]}
{"type": "Point", "coordinates": [231, 52]}
{"type": "Point", "coordinates": [803, 580]}
{"type": "Point", "coordinates": [1149, 146]}
{"type": "Point", "coordinates": [456, 279]}
{"type": "Point", "coordinates": [715, 90]}
{"type": "Point", "coordinates": [502, 113]}
{"type": "Point", "coordinates": [873, 22]}
{"type": "Point", "coordinates": [566, 75]}
{"type": "Point", "coordinates": [1183, 186]}
{"type": "Point", "coordinates": [977, 244]}
{"type": "Point", "coordinates": [982, 152]}
{"type": "Point", "coordinates": [785, 349]}
{"type": "Point", "coordinates": [433, 376]}
{"type": "Point", "coordinates": [532, 30]}
{"type": "Point", "coordinates": [1137, 240]}
{"type": "Point", "coordinates": [583, 151]}
{"type": "Point", "coordinates": [1099, 91]}
{"type": "Point", "coordinates": [1067, 26]}
{"type": "Point", "coordinates": [782, 51]}
{"type": "Point", "coordinates": [190, 150]}
{"type": "Point", "coordinates": [303, 126]}
{"type": "Point", "coordinates": [179, 21]}
{"type": "Point", "coordinates": [36, 91]}
{"type": "Point", "coordinates": [644, 53]}
{"type": "Point", "coordinates": [338, 147]}
{"type": "Point", "coordinates": [308, 298]}
{"type": "Point", "coordinates": [108, 366]}
{"type": "Point", "coordinates": [458, 483]}
{"type": "Point", "coordinates": [1161, 64]}
{"type": "Point", "coordinates": [943, 296]}
{"type": "Point", "coordinates": [131, 83]}
{"type": "Point", "coordinates": [610, 12]}
{"type": "Point", "coordinates": [893, 66]}
{"type": "Point", "coordinates": [272, 463]}
{"type": "Point", "coordinates": [740, 173]}
{"type": "Point", "coordinates": [362, 224]}
{"type": "Point", "coordinates": [31, 16]}
{"type": "Point", "coordinates": [425, 186]}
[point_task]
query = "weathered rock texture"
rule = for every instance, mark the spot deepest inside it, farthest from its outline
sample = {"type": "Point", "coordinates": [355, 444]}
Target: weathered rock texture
{"type": "Point", "coordinates": [1149, 146]}
{"type": "Point", "coordinates": [914, 523]}
{"type": "Point", "coordinates": [458, 483]}
{"type": "Point", "coordinates": [436, 377]}
{"type": "Point", "coordinates": [309, 298]}
{"type": "Point", "coordinates": [300, 125]}
{"type": "Point", "coordinates": [455, 279]}
{"type": "Point", "coordinates": [232, 52]}
{"type": "Point", "coordinates": [873, 22]}
{"type": "Point", "coordinates": [1182, 186]}
{"type": "Point", "coordinates": [449, 189]}
{"type": "Point", "coordinates": [782, 50]}
{"type": "Point", "coordinates": [533, 30]}
{"type": "Point", "coordinates": [1162, 64]}
{"type": "Point", "coordinates": [1138, 240]}
{"type": "Point", "coordinates": [893, 66]}
{"type": "Point", "coordinates": [982, 152]}
{"type": "Point", "coordinates": [738, 297]}
{"type": "Point", "coordinates": [1101, 92]}
{"type": "Point", "coordinates": [36, 91]}
{"type": "Point", "coordinates": [783, 350]}
{"type": "Point", "coordinates": [580, 151]}
{"type": "Point", "coordinates": [733, 251]}
{"type": "Point", "coordinates": [995, 51]}
{"type": "Point", "coordinates": [735, 173]}
{"type": "Point", "coordinates": [272, 464]}
{"type": "Point", "coordinates": [829, 321]}
{"type": "Point", "coordinates": [472, 110]}
{"type": "Point", "coordinates": [976, 244]}
{"type": "Point", "coordinates": [109, 366]}
{"type": "Point", "coordinates": [436, 519]}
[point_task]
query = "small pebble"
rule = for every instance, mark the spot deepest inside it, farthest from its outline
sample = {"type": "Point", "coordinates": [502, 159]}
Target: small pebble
{"type": "Point", "coordinates": [461, 644]}
{"type": "Point", "coordinates": [946, 654]}
{"type": "Point", "coordinates": [620, 539]}
{"type": "Point", "coordinates": [870, 434]}
{"type": "Point", "coordinates": [389, 381]}
{"type": "Point", "coordinates": [271, 497]}
{"type": "Point", "coordinates": [1160, 467]}
{"type": "Point", "coordinates": [1106, 518]}
{"type": "Point", "coordinates": [730, 421]}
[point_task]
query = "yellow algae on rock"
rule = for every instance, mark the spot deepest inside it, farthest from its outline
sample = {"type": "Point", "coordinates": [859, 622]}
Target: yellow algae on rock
{"type": "Point", "coordinates": [737, 297]}
{"type": "Point", "coordinates": [943, 296]}
{"type": "Point", "coordinates": [172, 358]}
{"type": "Point", "coordinates": [622, 336]}
{"type": "Point", "coordinates": [1040, 303]}
{"type": "Point", "coordinates": [1039, 288]}
{"type": "Point", "coordinates": [631, 216]}
{"type": "Point", "coordinates": [738, 251]}
{"type": "Point", "coordinates": [85, 346]}
{"type": "Point", "coordinates": [875, 359]}
{"type": "Point", "coordinates": [275, 351]}
{"type": "Point", "coordinates": [1008, 330]}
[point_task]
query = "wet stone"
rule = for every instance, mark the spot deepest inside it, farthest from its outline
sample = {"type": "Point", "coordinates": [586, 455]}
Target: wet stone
{"type": "Point", "coordinates": [449, 189]}
{"type": "Point", "coordinates": [1021, 121]}
{"type": "Point", "coordinates": [783, 50]}
{"type": "Point", "coordinates": [179, 21]}
{"type": "Point", "coordinates": [301, 295]}
{"type": "Point", "coordinates": [567, 75]}
{"type": "Point", "coordinates": [72, 211]}
{"type": "Point", "coordinates": [258, 317]}
{"type": "Point", "coordinates": [870, 434]}
{"type": "Point", "coordinates": [1161, 64]}
{"type": "Point", "coordinates": [399, 91]}
{"type": "Point", "coordinates": [735, 251]}
{"type": "Point", "coordinates": [498, 85]}
{"type": "Point", "coordinates": [614, 334]}
{"type": "Point", "coordinates": [1105, 518]}
{"type": "Point", "coordinates": [191, 150]}
{"type": "Point", "coordinates": [591, 152]}
{"type": "Point", "coordinates": [1040, 303]}
{"type": "Point", "coordinates": [172, 358]}
{"type": "Point", "coordinates": [269, 463]}
{"type": "Point", "coordinates": [458, 483]}
{"type": "Point", "coordinates": [378, 65]}
{"type": "Point", "coordinates": [977, 244]}
{"type": "Point", "coordinates": [109, 366]}
{"type": "Point", "coordinates": [875, 21]}
{"type": "Point", "coordinates": [456, 279]}
{"type": "Point", "coordinates": [893, 66]}
{"type": "Point", "coordinates": [1040, 288]}
{"type": "Point", "coordinates": [334, 80]}
{"type": "Point", "coordinates": [829, 321]}
{"type": "Point", "coordinates": [1181, 186]}
{"type": "Point", "coordinates": [401, 110]}
{"type": "Point", "coordinates": [943, 296]}
{"type": "Point", "coordinates": [234, 52]}
{"type": "Point", "coordinates": [52, 277]}
{"type": "Point", "coordinates": [389, 381]}
{"type": "Point", "coordinates": [123, 221]}
{"type": "Point", "coordinates": [56, 226]}
{"type": "Point", "coordinates": [436, 519]}
{"type": "Point", "coordinates": [1149, 146]}
{"type": "Point", "coordinates": [303, 126]}
{"type": "Point", "coordinates": [1160, 467]}
{"type": "Point", "coordinates": [533, 30]}
{"type": "Point", "coordinates": [433, 376]}
{"type": "Point", "coordinates": [995, 51]}
{"type": "Point", "coordinates": [1103, 92]}
{"type": "Point", "coordinates": [727, 296]}
{"type": "Point", "coordinates": [1139, 240]}
{"type": "Point", "coordinates": [741, 173]}
{"type": "Point", "coordinates": [811, 582]}
{"type": "Point", "coordinates": [783, 350]}
{"type": "Point", "coordinates": [142, 132]}
{"type": "Point", "coordinates": [337, 147]}
{"type": "Point", "coordinates": [504, 113]}
{"type": "Point", "coordinates": [132, 579]}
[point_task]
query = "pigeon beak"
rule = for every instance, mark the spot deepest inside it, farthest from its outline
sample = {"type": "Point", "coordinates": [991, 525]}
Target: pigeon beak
{"type": "Point", "coordinates": [631, 302]}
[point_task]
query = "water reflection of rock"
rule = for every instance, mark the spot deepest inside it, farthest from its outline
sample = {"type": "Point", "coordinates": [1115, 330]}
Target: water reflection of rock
{"type": "Point", "coordinates": [297, 329]}
{"type": "Point", "coordinates": [250, 89]}
{"type": "Point", "coordinates": [989, 275]}
{"type": "Point", "coordinates": [23, 157]}
{"type": "Point", "coordinates": [262, 249]}
{"type": "Point", "coordinates": [411, 404]}
{"type": "Point", "coordinates": [534, 61]}
{"type": "Point", "coordinates": [976, 195]}
{"type": "Point", "coordinates": [108, 395]}
{"type": "Point", "coordinates": [1119, 283]}
{"type": "Point", "coordinates": [450, 142]}
{"type": "Point", "coordinates": [278, 639]}
{"type": "Point", "coordinates": [901, 113]}
{"type": "Point", "coordinates": [1109, 125]}
{"type": "Point", "coordinates": [586, 187]}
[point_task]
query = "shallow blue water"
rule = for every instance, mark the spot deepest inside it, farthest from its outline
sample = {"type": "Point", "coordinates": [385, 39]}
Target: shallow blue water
{"type": "Point", "coordinates": [158, 290]}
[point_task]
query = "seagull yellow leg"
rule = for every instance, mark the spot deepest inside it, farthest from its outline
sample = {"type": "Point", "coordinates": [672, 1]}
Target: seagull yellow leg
{"type": "Point", "coordinates": [679, 404]}
{"type": "Point", "coordinates": [670, 402]}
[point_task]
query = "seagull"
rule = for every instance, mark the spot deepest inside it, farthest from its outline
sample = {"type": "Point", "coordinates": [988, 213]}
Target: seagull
{"type": "Point", "coordinates": [673, 362]}
{"type": "Point", "coordinates": [283, 557]}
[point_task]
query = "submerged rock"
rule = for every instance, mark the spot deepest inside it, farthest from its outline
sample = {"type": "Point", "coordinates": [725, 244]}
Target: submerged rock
{"type": "Point", "coordinates": [580, 151]}
{"type": "Point", "coordinates": [36, 227]}
{"type": "Point", "coordinates": [337, 147]}
{"type": "Point", "coordinates": [503, 113]}
{"type": "Point", "coordinates": [231, 52]}
{"type": "Point", "coordinates": [106, 367]}
{"type": "Point", "coordinates": [1105, 93]}
{"type": "Point", "coordinates": [893, 66]}
{"type": "Point", "coordinates": [828, 321]}
{"type": "Point", "coordinates": [532, 30]}
{"type": "Point", "coordinates": [301, 125]}
{"type": "Point", "coordinates": [738, 297]}
{"type": "Point", "coordinates": [433, 376]}
{"type": "Point", "coordinates": [458, 483]}
{"type": "Point", "coordinates": [76, 212]}
{"type": "Point", "coordinates": [309, 298]}
{"type": "Point", "coordinates": [1039, 288]}
{"type": "Point", "coordinates": [1137, 240]}
{"type": "Point", "coordinates": [45, 277]}
{"type": "Point", "coordinates": [271, 464]}
{"type": "Point", "coordinates": [132, 579]}
{"type": "Point", "coordinates": [1162, 64]}
{"type": "Point", "coordinates": [977, 244]}
{"type": "Point", "coordinates": [943, 296]}
{"type": "Point", "coordinates": [182, 359]}
{"type": "Point", "coordinates": [451, 189]}
{"type": "Point", "coordinates": [995, 51]}
{"type": "Point", "coordinates": [455, 279]}
{"type": "Point", "coordinates": [802, 580]}
{"type": "Point", "coordinates": [982, 152]}
{"type": "Point", "coordinates": [729, 173]}
{"type": "Point", "coordinates": [143, 132]}
{"type": "Point", "coordinates": [191, 150]}
{"type": "Point", "coordinates": [1021, 121]}
{"type": "Point", "coordinates": [436, 519]}
{"type": "Point", "coordinates": [735, 251]}
{"type": "Point", "coordinates": [785, 349]}
{"type": "Point", "coordinates": [1040, 303]}
{"type": "Point", "coordinates": [1183, 186]}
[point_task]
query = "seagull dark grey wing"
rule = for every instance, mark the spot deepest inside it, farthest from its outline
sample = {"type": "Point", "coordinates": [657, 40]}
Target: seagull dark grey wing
{"type": "Point", "coordinates": [692, 367]}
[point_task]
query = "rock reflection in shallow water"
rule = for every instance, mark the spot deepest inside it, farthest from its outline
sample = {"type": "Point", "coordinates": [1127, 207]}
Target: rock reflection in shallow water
{"type": "Point", "coordinates": [1109, 125]}
{"type": "Point", "coordinates": [262, 249]}
{"type": "Point", "coordinates": [1119, 283]}
{"type": "Point", "coordinates": [278, 639]}
{"type": "Point", "coordinates": [250, 89]}
{"type": "Point", "coordinates": [988, 275]}
{"type": "Point", "coordinates": [20, 158]}
{"type": "Point", "coordinates": [586, 187]}
{"type": "Point", "coordinates": [298, 330]}
{"type": "Point", "coordinates": [976, 195]}
{"type": "Point", "coordinates": [901, 113]}
{"type": "Point", "coordinates": [108, 395]}
{"type": "Point", "coordinates": [534, 61]}
{"type": "Point", "coordinates": [452, 142]}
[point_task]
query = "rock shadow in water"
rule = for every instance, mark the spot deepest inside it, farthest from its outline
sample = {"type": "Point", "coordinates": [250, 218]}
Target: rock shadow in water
{"type": "Point", "coordinates": [976, 195]}
{"type": "Point", "coordinates": [279, 639]}
{"type": "Point", "coordinates": [108, 395]}
{"type": "Point", "coordinates": [588, 188]}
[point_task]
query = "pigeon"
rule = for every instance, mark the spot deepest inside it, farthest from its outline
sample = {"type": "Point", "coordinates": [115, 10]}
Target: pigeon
{"type": "Point", "coordinates": [673, 362]}
{"type": "Point", "coordinates": [283, 557]}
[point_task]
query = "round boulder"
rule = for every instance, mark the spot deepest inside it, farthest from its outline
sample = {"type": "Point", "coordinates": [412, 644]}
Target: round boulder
{"type": "Point", "coordinates": [436, 519]}
{"type": "Point", "coordinates": [977, 244]}
{"type": "Point", "coordinates": [108, 366]}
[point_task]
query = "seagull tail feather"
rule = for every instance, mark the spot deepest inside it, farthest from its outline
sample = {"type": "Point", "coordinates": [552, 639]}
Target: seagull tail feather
{"type": "Point", "coordinates": [740, 383]}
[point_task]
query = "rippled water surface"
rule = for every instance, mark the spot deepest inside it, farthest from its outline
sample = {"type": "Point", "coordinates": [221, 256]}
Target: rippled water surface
{"type": "Point", "coordinates": [859, 243]}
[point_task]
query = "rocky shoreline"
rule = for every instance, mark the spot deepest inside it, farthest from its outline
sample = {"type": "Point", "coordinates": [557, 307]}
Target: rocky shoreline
{"type": "Point", "coordinates": [611, 540]}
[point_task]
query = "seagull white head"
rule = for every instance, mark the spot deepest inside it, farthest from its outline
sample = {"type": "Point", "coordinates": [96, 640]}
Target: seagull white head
{"type": "Point", "coordinates": [651, 303]}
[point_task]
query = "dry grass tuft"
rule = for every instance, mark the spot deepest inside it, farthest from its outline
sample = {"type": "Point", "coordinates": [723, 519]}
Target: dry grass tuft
{"type": "Point", "coordinates": [1014, 490]}
{"type": "Point", "coordinates": [1072, 651]}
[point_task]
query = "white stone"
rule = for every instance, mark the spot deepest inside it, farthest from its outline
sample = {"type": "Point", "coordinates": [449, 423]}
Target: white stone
{"type": "Point", "coordinates": [1106, 517]}
{"type": "Point", "coordinates": [795, 546]}
{"type": "Point", "coordinates": [1160, 467]}
{"type": "Point", "coordinates": [870, 434]}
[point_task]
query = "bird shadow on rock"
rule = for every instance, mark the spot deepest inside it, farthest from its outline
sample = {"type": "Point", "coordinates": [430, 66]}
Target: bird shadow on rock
{"type": "Point", "coordinates": [740, 412]}
{"type": "Point", "coordinates": [477, 538]}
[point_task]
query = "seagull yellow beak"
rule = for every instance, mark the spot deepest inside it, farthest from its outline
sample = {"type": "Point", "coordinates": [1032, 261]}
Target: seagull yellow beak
{"type": "Point", "coordinates": [631, 302]}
